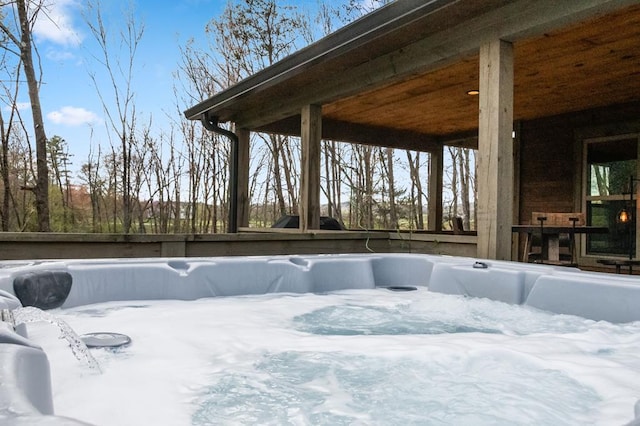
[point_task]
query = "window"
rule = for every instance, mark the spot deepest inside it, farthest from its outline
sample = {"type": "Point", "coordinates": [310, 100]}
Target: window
{"type": "Point", "coordinates": [609, 164]}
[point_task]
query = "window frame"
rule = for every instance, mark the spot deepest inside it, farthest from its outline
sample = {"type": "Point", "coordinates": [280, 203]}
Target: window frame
{"type": "Point", "coordinates": [587, 197]}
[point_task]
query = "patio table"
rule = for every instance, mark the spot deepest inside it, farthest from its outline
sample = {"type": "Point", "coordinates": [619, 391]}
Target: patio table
{"type": "Point", "coordinates": [619, 263]}
{"type": "Point", "coordinates": [551, 237]}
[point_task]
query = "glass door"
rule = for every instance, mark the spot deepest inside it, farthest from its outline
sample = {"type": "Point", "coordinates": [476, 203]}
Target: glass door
{"type": "Point", "coordinates": [610, 162]}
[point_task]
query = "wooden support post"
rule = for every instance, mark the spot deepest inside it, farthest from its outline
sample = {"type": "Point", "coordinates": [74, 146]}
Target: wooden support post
{"type": "Point", "coordinates": [244, 137]}
{"type": "Point", "coordinates": [311, 135]}
{"type": "Point", "coordinates": [435, 190]}
{"type": "Point", "coordinates": [495, 149]}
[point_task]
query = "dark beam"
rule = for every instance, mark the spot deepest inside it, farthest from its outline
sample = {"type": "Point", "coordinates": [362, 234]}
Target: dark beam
{"type": "Point", "coordinates": [359, 133]}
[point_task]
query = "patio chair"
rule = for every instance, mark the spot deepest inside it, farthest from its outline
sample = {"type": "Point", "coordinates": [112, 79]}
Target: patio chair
{"type": "Point", "coordinates": [565, 238]}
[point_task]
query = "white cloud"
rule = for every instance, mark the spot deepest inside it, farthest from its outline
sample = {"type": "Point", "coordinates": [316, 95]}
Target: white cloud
{"type": "Point", "coordinates": [20, 106]}
{"type": "Point", "coordinates": [55, 23]}
{"type": "Point", "coordinates": [59, 55]}
{"type": "Point", "coordinates": [72, 116]}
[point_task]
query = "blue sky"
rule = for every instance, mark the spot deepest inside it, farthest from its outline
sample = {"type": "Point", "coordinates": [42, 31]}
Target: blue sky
{"type": "Point", "coordinates": [71, 105]}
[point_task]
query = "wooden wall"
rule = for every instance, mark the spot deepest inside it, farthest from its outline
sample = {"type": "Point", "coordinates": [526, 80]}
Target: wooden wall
{"type": "Point", "coordinates": [546, 167]}
{"type": "Point", "coordinates": [551, 159]}
{"type": "Point", "coordinates": [548, 157]}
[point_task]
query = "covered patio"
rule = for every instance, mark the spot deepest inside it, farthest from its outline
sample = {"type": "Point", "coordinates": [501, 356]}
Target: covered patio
{"type": "Point", "coordinates": [558, 103]}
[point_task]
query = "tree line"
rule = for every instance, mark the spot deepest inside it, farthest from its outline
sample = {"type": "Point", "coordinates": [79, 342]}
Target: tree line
{"type": "Point", "coordinates": [175, 179]}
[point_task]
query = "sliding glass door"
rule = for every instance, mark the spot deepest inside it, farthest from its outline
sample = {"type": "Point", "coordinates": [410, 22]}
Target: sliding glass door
{"type": "Point", "coordinates": [610, 163]}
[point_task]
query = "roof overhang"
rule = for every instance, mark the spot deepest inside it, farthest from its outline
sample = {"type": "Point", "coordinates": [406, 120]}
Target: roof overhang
{"type": "Point", "coordinates": [399, 76]}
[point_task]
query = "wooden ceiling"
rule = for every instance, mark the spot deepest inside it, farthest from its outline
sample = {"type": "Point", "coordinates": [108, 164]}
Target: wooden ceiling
{"type": "Point", "coordinates": [591, 64]}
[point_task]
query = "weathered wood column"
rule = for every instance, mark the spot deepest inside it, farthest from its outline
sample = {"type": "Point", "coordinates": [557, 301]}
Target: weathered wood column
{"type": "Point", "coordinates": [495, 151]}
{"type": "Point", "coordinates": [244, 137]}
{"type": "Point", "coordinates": [311, 135]}
{"type": "Point", "coordinates": [434, 207]}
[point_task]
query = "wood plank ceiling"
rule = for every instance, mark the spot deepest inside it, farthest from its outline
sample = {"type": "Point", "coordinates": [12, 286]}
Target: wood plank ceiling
{"type": "Point", "coordinates": [592, 64]}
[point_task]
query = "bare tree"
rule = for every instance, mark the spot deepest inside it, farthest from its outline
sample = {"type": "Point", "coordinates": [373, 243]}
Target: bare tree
{"type": "Point", "coordinates": [7, 129]}
{"type": "Point", "coordinates": [465, 184]}
{"type": "Point", "coordinates": [453, 175]}
{"type": "Point", "coordinates": [59, 162]}
{"type": "Point", "coordinates": [162, 179]}
{"type": "Point", "coordinates": [90, 175]}
{"type": "Point", "coordinates": [417, 193]}
{"type": "Point", "coordinates": [393, 213]}
{"type": "Point", "coordinates": [21, 166]}
{"type": "Point", "coordinates": [27, 13]}
{"type": "Point", "coordinates": [462, 175]}
{"type": "Point", "coordinates": [255, 34]}
{"type": "Point", "coordinates": [360, 181]}
{"type": "Point", "coordinates": [121, 115]}
{"type": "Point", "coordinates": [333, 178]}
{"type": "Point", "coordinates": [4, 169]}
{"type": "Point", "coordinates": [17, 171]}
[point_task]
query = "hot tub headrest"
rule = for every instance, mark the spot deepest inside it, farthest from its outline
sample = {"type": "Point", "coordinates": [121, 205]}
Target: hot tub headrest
{"type": "Point", "coordinates": [42, 289]}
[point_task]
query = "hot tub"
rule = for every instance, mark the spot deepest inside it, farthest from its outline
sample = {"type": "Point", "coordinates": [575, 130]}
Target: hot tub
{"type": "Point", "coordinates": [359, 343]}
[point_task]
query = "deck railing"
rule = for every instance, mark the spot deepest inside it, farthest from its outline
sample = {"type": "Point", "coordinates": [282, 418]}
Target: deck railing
{"type": "Point", "coordinates": [249, 242]}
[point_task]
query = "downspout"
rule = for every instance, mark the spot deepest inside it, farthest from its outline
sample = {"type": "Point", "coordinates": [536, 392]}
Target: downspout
{"type": "Point", "coordinates": [211, 124]}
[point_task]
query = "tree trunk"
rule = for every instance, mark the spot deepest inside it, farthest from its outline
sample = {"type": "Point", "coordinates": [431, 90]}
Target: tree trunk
{"type": "Point", "coordinates": [6, 183]}
{"type": "Point", "coordinates": [393, 214]}
{"type": "Point", "coordinates": [338, 171]}
{"type": "Point", "coordinates": [329, 180]}
{"type": "Point", "coordinates": [126, 183]}
{"type": "Point", "coordinates": [41, 189]}
{"type": "Point", "coordinates": [416, 188]}
{"type": "Point", "coordinates": [454, 184]}
{"type": "Point", "coordinates": [288, 166]}
{"type": "Point", "coordinates": [275, 156]}
{"type": "Point", "coordinates": [464, 188]}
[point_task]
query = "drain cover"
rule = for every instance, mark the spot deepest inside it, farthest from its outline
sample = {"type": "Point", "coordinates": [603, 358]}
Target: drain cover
{"type": "Point", "coordinates": [401, 288]}
{"type": "Point", "coordinates": [105, 340]}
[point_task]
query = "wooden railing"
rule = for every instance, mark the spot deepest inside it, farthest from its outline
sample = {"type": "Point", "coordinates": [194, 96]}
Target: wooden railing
{"type": "Point", "coordinates": [17, 246]}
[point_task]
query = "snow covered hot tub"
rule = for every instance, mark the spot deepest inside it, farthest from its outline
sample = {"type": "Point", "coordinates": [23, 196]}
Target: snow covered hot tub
{"type": "Point", "coordinates": [345, 340]}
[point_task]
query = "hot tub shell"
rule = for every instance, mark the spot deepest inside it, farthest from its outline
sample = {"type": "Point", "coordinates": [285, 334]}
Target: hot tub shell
{"type": "Point", "coordinates": [25, 388]}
